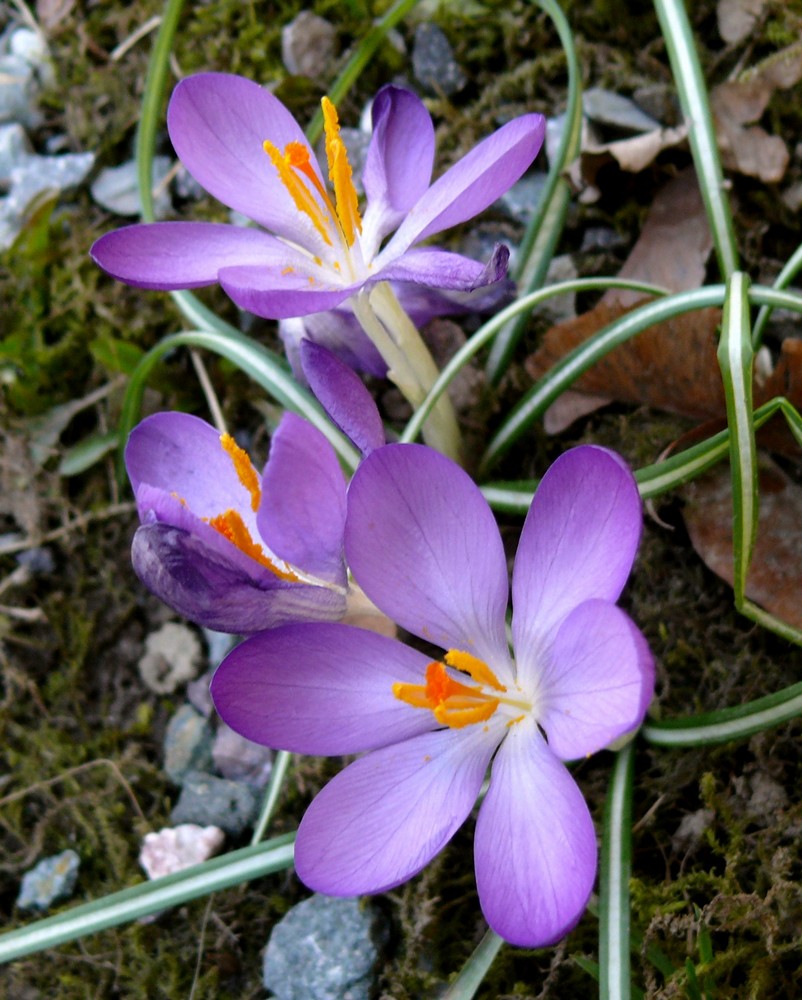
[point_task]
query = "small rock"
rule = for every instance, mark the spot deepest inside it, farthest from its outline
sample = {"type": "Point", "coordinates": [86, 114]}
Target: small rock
{"type": "Point", "coordinates": [39, 560]}
{"type": "Point", "coordinates": [53, 879]}
{"type": "Point", "coordinates": [15, 149]}
{"type": "Point", "coordinates": [324, 949]}
{"type": "Point", "coordinates": [173, 655]}
{"type": "Point", "coordinates": [308, 45]}
{"type": "Point", "coordinates": [175, 848]}
{"type": "Point", "coordinates": [561, 307]}
{"type": "Point", "coordinates": [117, 188]}
{"type": "Point", "coordinates": [186, 187]}
{"type": "Point", "coordinates": [609, 108]}
{"type": "Point", "coordinates": [768, 796]}
{"type": "Point", "coordinates": [596, 238]}
{"type": "Point", "coordinates": [199, 696]}
{"type": "Point", "coordinates": [239, 759]}
{"type": "Point", "coordinates": [433, 62]}
{"type": "Point", "coordinates": [18, 90]}
{"type": "Point", "coordinates": [521, 200]}
{"type": "Point", "coordinates": [187, 744]}
{"type": "Point", "coordinates": [211, 801]}
{"type": "Point", "coordinates": [218, 644]}
{"type": "Point", "coordinates": [691, 829]}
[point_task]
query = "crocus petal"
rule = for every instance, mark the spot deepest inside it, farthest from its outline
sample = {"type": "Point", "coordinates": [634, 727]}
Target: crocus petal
{"type": "Point", "coordinates": [443, 269]}
{"type": "Point", "coordinates": [535, 846]}
{"type": "Point", "coordinates": [320, 689]}
{"type": "Point", "coordinates": [343, 396]}
{"type": "Point", "coordinates": [218, 123]}
{"type": "Point", "coordinates": [199, 584]}
{"type": "Point", "coordinates": [398, 165]}
{"type": "Point", "coordinates": [385, 816]}
{"type": "Point", "coordinates": [578, 542]}
{"type": "Point", "coordinates": [186, 254]}
{"type": "Point", "coordinates": [302, 513]}
{"type": "Point", "coordinates": [278, 293]}
{"type": "Point", "coordinates": [423, 544]}
{"type": "Point", "coordinates": [473, 183]}
{"type": "Point", "coordinates": [339, 332]}
{"type": "Point", "coordinates": [181, 455]}
{"type": "Point", "coordinates": [597, 683]}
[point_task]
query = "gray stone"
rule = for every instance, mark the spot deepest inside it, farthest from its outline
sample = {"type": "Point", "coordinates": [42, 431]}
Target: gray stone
{"type": "Point", "coordinates": [15, 150]}
{"type": "Point", "coordinates": [53, 879]}
{"type": "Point", "coordinates": [187, 744]}
{"type": "Point", "coordinates": [173, 656]}
{"type": "Point", "coordinates": [609, 108]}
{"type": "Point", "coordinates": [324, 949]}
{"type": "Point", "coordinates": [308, 45]}
{"type": "Point", "coordinates": [18, 88]}
{"type": "Point", "coordinates": [117, 188]}
{"type": "Point", "coordinates": [433, 62]}
{"type": "Point", "coordinates": [210, 801]}
{"type": "Point", "coordinates": [239, 759]}
{"type": "Point", "coordinates": [520, 201]}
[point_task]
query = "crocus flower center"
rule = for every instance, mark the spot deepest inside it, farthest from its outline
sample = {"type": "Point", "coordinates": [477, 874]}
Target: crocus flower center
{"type": "Point", "coordinates": [455, 704]}
{"type": "Point", "coordinates": [337, 221]}
{"type": "Point", "coordinates": [230, 523]}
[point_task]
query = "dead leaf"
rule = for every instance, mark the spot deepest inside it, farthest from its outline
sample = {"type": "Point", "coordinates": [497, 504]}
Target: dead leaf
{"type": "Point", "coordinates": [671, 366]}
{"type": "Point", "coordinates": [775, 575]}
{"type": "Point", "coordinates": [737, 18]}
{"type": "Point", "coordinates": [738, 104]}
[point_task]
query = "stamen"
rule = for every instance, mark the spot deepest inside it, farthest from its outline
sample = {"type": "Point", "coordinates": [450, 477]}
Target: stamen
{"type": "Point", "coordinates": [452, 703]}
{"type": "Point", "coordinates": [341, 175]}
{"type": "Point", "coordinates": [231, 526]}
{"type": "Point", "coordinates": [296, 156]}
{"type": "Point", "coordinates": [246, 473]}
{"type": "Point", "coordinates": [476, 668]}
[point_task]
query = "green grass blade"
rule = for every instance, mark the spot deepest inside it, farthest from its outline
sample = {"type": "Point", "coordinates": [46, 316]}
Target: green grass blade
{"type": "Point", "coordinates": [547, 222]}
{"type": "Point", "coordinates": [790, 270]}
{"type": "Point", "coordinates": [735, 357]}
{"type": "Point", "coordinates": [475, 969]}
{"type": "Point", "coordinates": [535, 402]}
{"type": "Point", "coordinates": [148, 898]}
{"type": "Point", "coordinates": [152, 102]}
{"type": "Point", "coordinates": [615, 869]}
{"type": "Point", "coordinates": [737, 723]}
{"type": "Point", "coordinates": [693, 97]}
{"type": "Point", "coordinates": [490, 329]}
{"type": "Point", "coordinates": [361, 57]}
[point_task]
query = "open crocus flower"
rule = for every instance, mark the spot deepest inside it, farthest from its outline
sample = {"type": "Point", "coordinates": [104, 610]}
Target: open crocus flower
{"type": "Point", "coordinates": [423, 544]}
{"type": "Point", "coordinates": [226, 547]}
{"type": "Point", "coordinates": [244, 147]}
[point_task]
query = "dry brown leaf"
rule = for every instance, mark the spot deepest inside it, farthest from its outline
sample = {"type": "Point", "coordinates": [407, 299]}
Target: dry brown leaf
{"type": "Point", "coordinates": [673, 365]}
{"type": "Point", "coordinates": [775, 575]}
{"type": "Point", "coordinates": [737, 18]}
{"type": "Point", "coordinates": [738, 104]}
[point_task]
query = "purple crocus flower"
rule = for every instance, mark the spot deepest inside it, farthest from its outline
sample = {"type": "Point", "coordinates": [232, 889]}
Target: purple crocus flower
{"type": "Point", "coordinates": [423, 544]}
{"type": "Point", "coordinates": [226, 547]}
{"type": "Point", "coordinates": [244, 147]}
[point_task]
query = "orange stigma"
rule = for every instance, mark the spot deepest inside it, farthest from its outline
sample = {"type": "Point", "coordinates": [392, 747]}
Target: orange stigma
{"type": "Point", "coordinates": [452, 703]}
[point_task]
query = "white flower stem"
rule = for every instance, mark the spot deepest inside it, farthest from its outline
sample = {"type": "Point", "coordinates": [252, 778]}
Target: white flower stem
{"type": "Point", "coordinates": [410, 365]}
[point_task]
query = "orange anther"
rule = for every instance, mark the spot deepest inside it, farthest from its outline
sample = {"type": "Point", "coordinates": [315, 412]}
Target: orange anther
{"type": "Point", "coordinates": [246, 473]}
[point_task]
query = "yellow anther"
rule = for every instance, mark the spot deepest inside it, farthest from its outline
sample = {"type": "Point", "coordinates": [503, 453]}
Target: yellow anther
{"type": "Point", "coordinates": [474, 667]}
{"type": "Point", "coordinates": [341, 175]}
{"type": "Point", "coordinates": [452, 703]}
{"type": "Point", "coordinates": [289, 164]}
{"type": "Point", "coordinates": [246, 473]}
{"type": "Point", "coordinates": [231, 526]}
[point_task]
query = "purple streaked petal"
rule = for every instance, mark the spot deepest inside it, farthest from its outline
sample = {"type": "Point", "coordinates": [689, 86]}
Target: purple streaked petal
{"type": "Point", "coordinates": [320, 689]}
{"type": "Point", "coordinates": [473, 183]}
{"type": "Point", "coordinates": [218, 123]}
{"type": "Point", "coordinates": [343, 396]}
{"type": "Point", "coordinates": [215, 592]}
{"type": "Point", "coordinates": [302, 513]}
{"type": "Point", "coordinates": [339, 332]}
{"type": "Point", "coordinates": [170, 255]}
{"type": "Point", "coordinates": [597, 683]}
{"type": "Point", "coordinates": [535, 845]}
{"type": "Point", "coordinates": [578, 543]}
{"type": "Point", "coordinates": [182, 455]}
{"type": "Point", "coordinates": [423, 303]}
{"type": "Point", "coordinates": [386, 816]}
{"type": "Point", "coordinates": [399, 161]}
{"type": "Point", "coordinates": [422, 543]}
{"type": "Point", "coordinates": [274, 293]}
{"type": "Point", "coordinates": [443, 269]}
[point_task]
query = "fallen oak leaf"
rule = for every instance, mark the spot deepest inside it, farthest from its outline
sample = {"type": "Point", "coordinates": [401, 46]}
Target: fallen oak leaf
{"type": "Point", "coordinates": [775, 574]}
